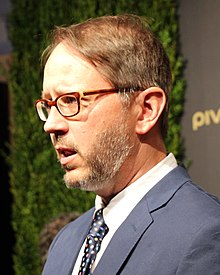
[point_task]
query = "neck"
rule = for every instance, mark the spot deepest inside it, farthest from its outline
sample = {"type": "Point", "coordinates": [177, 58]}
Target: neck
{"type": "Point", "coordinates": [147, 157]}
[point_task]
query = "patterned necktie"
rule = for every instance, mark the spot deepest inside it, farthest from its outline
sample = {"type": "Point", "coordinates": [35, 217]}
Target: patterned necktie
{"type": "Point", "coordinates": [97, 232]}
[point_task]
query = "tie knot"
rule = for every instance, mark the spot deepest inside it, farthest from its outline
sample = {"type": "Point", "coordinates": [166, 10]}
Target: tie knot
{"type": "Point", "coordinates": [98, 227]}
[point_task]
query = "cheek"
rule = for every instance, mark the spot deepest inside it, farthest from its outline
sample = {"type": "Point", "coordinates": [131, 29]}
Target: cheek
{"type": "Point", "coordinates": [83, 135]}
{"type": "Point", "coordinates": [91, 124]}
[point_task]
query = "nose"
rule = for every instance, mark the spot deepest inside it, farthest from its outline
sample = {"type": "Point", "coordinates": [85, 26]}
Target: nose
{"type": "Point", "coordinates": [56, 123]}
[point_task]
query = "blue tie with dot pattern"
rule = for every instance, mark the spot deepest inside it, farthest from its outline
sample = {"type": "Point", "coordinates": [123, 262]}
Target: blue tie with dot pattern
{"type": "Point", "coordinates": [97, 232]}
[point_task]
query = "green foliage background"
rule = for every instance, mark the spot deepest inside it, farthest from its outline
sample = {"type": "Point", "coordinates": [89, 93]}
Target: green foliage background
{"type": "Point", "coordinates": [36, 178]}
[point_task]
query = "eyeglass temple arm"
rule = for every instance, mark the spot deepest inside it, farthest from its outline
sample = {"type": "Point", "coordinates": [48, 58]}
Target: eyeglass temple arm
{"type": "Point", "coordinates": [113, 90]}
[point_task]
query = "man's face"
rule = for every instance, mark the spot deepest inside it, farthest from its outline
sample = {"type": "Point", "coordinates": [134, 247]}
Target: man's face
{"type": "Point", "coordinates": [96, 143]}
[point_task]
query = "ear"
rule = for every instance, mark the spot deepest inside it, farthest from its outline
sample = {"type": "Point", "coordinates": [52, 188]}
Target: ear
{"type": "Point", "coordinates": [151, 104]}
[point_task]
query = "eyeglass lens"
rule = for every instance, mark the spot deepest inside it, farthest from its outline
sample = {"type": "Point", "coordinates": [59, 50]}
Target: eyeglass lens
{"type": "Point", "coordinates": [67, 105]}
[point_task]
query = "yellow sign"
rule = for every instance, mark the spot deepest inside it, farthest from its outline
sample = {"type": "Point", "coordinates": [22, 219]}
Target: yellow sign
{"type": "Point", "coordinates": [200, 119]}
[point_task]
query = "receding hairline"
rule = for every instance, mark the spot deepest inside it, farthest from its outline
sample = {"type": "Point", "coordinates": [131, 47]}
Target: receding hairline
{"type": "Point", "coordinates": [62, 34]}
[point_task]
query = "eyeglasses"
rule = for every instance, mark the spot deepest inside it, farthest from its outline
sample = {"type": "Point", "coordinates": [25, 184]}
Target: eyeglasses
{"type": "Point", "coordinates": [68, 104]}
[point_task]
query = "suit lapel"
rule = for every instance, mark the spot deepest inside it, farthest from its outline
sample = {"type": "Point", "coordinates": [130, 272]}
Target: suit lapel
{"type": "Point", "coordinates": [128, 234]}
{"type": "Point", "coordinates": [81, 231]}
{"type": "Point", "coordinates": [164, 190]}
{"type": "Point", "coordinates": [66, 246]}
{"type": "Point", "coordinates": [124, 241]}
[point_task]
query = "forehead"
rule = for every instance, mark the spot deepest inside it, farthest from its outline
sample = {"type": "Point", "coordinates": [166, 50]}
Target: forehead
{"type": "Point", "coordinates": [67, 68]}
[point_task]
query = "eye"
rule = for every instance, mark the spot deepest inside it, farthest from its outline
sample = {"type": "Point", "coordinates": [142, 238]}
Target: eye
{"type": "Point", "coordinates": [67, 100]}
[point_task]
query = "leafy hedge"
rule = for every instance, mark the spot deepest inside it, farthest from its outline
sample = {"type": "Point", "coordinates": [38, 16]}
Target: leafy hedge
{"type": "Point", "coordinates": [36, 178]}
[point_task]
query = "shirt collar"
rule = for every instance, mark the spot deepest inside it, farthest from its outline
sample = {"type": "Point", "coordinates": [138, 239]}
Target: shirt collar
{"type": "Point", "coordinates": [144, 183]}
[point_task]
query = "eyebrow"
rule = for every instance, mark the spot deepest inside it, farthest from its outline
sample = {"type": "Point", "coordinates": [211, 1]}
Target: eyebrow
{"type": "Point", "coordinates": [45, 94]}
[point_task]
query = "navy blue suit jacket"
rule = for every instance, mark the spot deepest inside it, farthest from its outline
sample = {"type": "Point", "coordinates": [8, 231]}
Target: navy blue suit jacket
{"type": "Point", "coordinates": [174, 229]}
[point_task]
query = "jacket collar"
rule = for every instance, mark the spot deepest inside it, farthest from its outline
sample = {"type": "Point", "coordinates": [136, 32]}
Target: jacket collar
{"type": "Point", "coordinates": [134, 227]}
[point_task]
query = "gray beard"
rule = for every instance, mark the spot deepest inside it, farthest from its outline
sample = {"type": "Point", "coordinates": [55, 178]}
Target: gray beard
{"type": "Point", "coordinates": [109, 152]}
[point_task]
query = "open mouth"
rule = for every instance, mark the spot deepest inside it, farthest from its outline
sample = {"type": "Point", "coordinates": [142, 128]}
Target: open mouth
{"type": "Point", "coordinates": [65, 154]}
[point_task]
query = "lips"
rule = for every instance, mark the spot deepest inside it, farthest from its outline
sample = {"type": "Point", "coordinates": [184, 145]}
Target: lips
{"type": "Point", "coordinates": [65, 154]}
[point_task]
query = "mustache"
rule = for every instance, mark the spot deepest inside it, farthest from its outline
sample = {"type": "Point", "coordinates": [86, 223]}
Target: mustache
{"type": "Point", "coordinates": [62, 142]}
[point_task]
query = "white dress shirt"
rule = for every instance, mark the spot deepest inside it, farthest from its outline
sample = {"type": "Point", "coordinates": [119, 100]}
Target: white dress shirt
{"type": "Point", "coordinates": [124, 202]}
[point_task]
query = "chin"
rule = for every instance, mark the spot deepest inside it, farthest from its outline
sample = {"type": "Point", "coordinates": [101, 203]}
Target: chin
{"type": "Point", "coordinates": [71, 180]}
{"type": "Point", "coordinates": [83, 183]}
{"type": "Point", "coordinates": [74, 179]}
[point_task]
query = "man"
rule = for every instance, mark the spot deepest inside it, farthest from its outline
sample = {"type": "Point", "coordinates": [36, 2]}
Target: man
{"type": "Point", "coordinates": [105, 105]}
